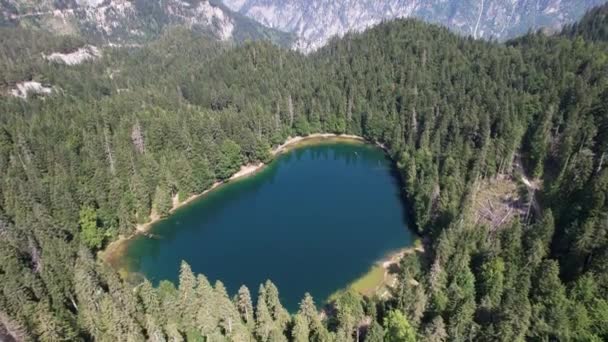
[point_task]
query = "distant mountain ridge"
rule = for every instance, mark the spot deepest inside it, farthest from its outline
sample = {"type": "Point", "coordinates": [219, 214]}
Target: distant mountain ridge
{"type": "Point", "coordinates": [316, 21]}
{"type": "Point", "coordinates": [133, 21]}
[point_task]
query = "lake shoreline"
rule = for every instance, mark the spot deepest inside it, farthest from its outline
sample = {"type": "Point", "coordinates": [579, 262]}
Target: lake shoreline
{"type": "Point", "coordinates": [114, 248]}
{"type": "Point", "coordinates": [380, 275]}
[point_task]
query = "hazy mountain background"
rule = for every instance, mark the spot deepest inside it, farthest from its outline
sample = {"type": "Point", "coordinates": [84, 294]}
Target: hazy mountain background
{"type": "Point", "coordinates": [304, 25]}
{"type": "Point", "coordinates": [315, 21]}
{"type": "Point", "coordinates": [133, 21]}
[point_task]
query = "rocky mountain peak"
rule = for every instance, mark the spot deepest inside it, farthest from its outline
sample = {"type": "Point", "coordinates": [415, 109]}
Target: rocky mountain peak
{"type": "Point", "coordinates": [129, 21]}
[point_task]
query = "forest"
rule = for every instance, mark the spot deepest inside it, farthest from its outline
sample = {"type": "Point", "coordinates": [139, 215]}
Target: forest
{"type": "Point", "coordinates": [121, 135]}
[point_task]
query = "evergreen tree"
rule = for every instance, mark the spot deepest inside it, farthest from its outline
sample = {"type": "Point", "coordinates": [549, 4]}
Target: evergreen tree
{"type": "Point", "coordinates": [549, 304]}
{"type": "Point", "coordinates": [245, 306]}
{"type": "Point", "coordinates": [162, 201]}
{"type": "Point", "coordinates": [435, 331]}
{"type": "Point", "coordinates": [230, 159]}
{"type": "Point", "coordinates": [279, 314]}
{"type": "Point", "coordinates": [187, 295]}
{"type": "Point", "coordinates": [375, 333]}
{"type": "Point", "coordinates": [91, 235]}
{"type": "Point", "coordinates": [398, 329]}
{"type": "Point", "coordinates": [300, 331]}
{"type": "Point", "coordinates": [264, 322]}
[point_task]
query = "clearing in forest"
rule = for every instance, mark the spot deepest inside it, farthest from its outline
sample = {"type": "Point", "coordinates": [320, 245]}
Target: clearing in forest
{"type": "Point", "coordinates": [499, 200]}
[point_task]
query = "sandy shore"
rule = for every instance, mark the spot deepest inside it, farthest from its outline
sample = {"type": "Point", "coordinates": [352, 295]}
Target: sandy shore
{"type": "Point", "coordinates": [246, 170]}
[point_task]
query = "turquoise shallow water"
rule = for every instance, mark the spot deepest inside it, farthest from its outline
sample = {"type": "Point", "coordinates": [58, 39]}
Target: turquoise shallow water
{"type": "Point", "coordinates": [314, 220]}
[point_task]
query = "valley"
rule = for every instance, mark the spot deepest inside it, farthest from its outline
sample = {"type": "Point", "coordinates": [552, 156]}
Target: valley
{"type": "Point", "coordinates": [167, 190]}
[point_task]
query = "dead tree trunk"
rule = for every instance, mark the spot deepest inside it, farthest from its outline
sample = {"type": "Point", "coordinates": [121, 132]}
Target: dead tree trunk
{"type": "Point", "coordinates": [109, 152]}
{"type": "Point", "coordinates": [290, 109]}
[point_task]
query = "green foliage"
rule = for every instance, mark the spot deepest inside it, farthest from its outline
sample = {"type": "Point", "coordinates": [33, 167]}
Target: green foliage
{"type": "Point", "coordinates": [264, 324]}
{"type": "Point", "coordinates": [91, 235]}
{"type": "Point", "coordinates": [375, 333]}
{"type": "Point", "coordinates": [492, 281]}
{"type": "Point", "coordinates": [229, 160]}
{"type": "Point", "coordinates": [162, 200]}
{"type": "Point", "coordinates": [593, 26]}
{"type": "Point", "coordinates": [262, 152]}
{"type": "Point", "coordinates": [435, 331]}
{"type": "Point", "coordinates": [245, 306]}
{"type": "Point", "coordinates": [398, 329]}
{"type": "Point", "coordinates": [300, 331]}
{"type": "Point", "coordinates": [349, 313]}
{"type": "Point", "coordinates": [549, 305]}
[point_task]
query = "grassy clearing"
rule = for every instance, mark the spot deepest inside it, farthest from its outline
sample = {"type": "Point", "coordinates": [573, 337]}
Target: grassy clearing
{"type": "Point", "coordinates": [380, 277]}
{"type": "Point", "coordinates": [369, 282]}
{"type": "Point", "coordinates": [497, 202]}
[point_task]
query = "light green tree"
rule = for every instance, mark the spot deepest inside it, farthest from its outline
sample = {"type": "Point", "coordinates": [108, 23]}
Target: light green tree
{"type": "Point", "coordinates": [300, 331]}
{"type": "Point", "coordinates": [278, 312]}
{"type": "Point", "coordinates": [91, 235]}
{"type": "Point", "coordinates": [162, 201]}
{"type": "Point", "coordinates": [245, 306]}
{"type": "Point", "coordinates": [264, 322]}
{"type": "Point", "coordinates": [397, 328]}
{"type": "Point", "coordinates": [230, 159]}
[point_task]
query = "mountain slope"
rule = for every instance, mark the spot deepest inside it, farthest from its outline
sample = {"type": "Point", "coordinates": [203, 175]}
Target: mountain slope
{"type": "Point", "coordinates": [133, 21]}
{"type": "Point", "coordinates": [315, 21]}
{"type": "Point", "coordinates": [593, 26]}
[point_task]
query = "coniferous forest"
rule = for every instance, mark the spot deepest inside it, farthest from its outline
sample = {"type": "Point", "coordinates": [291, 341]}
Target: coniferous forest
{"type": "Point", "coordinates": [122, 135]}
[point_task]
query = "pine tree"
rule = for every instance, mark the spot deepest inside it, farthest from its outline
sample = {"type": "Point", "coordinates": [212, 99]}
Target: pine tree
{"type": "Point", "coordinates": [264, 322]}
{"type": "Point", "coordinates": [279, 314]}
{"type": "Point", "coordinates": [245, 306]}
{"type": "Point", "coordinates": [375, 333]}
{"type": "Point", "coordinates": [397, 328]}
{"type": "Point", "coordinates": [162, 201]}
{"type": "Point", "coordinates": [300, 331]}
{"type": "Point", "coordinates": [230, 159]}
{"type": "Point", "coordinates": [549, 304]}
{"type": "Point", "coordinates": [91, 235]}
{"type": "Point", "coordinates": [229, 318]}
{"type": "Point", "coordinates": [51, 328]}
{"type": "Point", "coordinates": [349, 314]}
{"type": "Point", "coordinates": [187, 295]}
{"type": "Point", "coordinates": [207, 317]}
{"type": "Point", "coordinates": [308, 310]}
{"type": "Point", "coordinates": [435, 331]}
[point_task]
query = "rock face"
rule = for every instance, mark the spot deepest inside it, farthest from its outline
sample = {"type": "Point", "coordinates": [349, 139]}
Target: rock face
{"type": "Point", "coordinates": [81, 55]}
{"type": "Point", "coordinates": [24, 89]}
{"type": "Point", "coordinates": [130, 21]}
{"type": "Point", "coordinates": [315, 21]}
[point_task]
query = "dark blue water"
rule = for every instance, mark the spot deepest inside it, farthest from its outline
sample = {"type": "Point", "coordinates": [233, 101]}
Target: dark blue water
{"type": "Point", "coordinates": [312, 221]}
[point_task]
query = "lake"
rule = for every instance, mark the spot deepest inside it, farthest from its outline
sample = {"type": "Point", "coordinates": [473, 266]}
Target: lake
{"type": "Point", "coordinates": [314, 220]}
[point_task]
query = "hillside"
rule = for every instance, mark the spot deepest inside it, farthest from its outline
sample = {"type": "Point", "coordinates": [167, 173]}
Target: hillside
{"type": "Point", "coordinates": [593, 26]}
{"type": "Point", "coordinates": [315, 22]}
{"type": "Point", "coordinates": [133, 22]}
{"type": "Point", "coordinates": [120, 135]}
